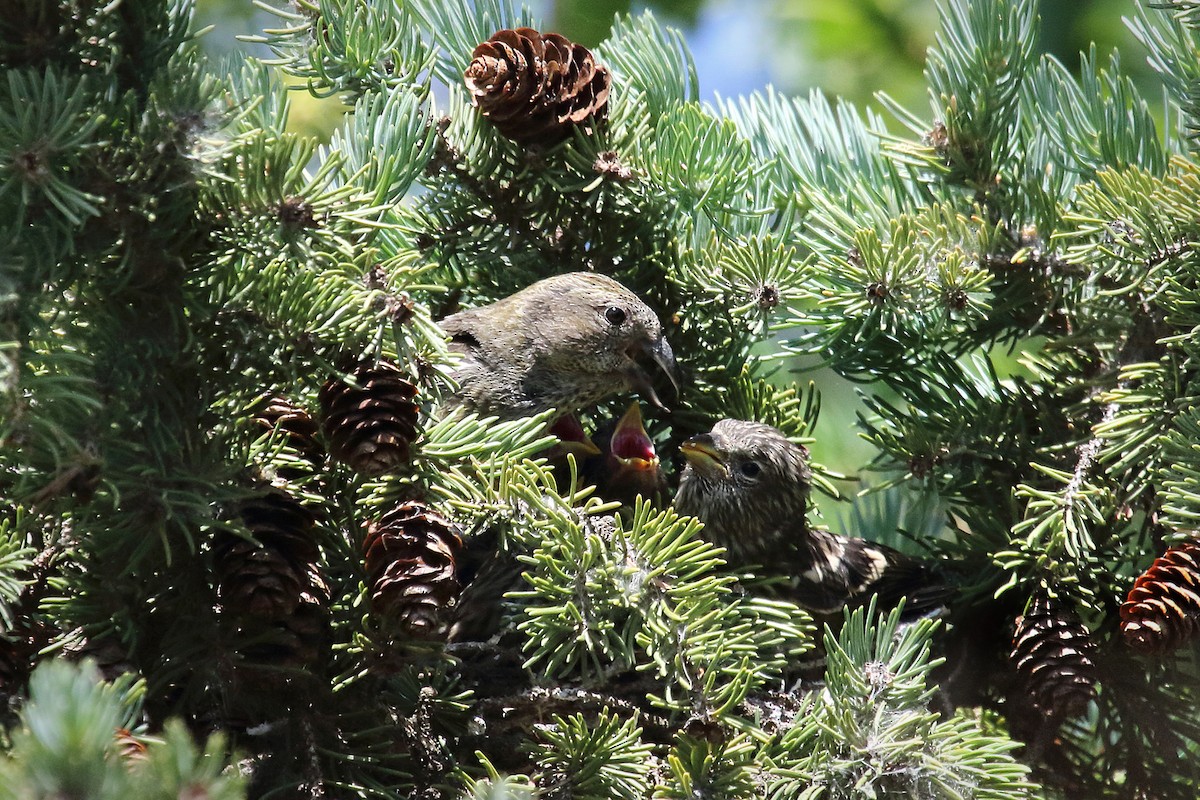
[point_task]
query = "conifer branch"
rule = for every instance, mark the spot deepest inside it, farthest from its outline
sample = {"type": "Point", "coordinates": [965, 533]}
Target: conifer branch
{"type": "Point", "coordinates": [191, 279]}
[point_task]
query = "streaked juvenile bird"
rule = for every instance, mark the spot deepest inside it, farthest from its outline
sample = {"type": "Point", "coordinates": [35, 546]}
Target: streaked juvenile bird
{"type": "Point", "coordinates": [749, 485]}
{"type": "Point", "coordinates": [565, 342]}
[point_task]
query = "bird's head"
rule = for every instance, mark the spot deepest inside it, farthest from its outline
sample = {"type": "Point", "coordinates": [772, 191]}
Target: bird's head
{"type": "Point", "coordinates": [603, 332]}
{"type": "Point", "coordinates": [745, 481]}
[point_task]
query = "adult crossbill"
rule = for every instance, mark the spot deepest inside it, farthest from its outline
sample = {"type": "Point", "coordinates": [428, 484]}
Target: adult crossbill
{"type": "Point", "coordinates": [565, 342]}
{"type": "Point", "coordinates": [749, 485]}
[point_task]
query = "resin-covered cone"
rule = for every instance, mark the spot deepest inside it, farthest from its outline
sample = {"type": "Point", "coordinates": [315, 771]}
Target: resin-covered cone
{"type": "Point", "coordinates": [1052, 652]}
{"type": "Point", "coordinates": [536, 87]}
{"type": "Point", "coordinates": [1162, 610]}
{"type": "Point", "coordinates": [410, 557]}
{"type": "Point", "coordinates": [371, 421]}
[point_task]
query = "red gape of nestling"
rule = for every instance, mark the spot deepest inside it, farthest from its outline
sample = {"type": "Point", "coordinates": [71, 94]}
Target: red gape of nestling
{"type": "Point", "coordinates": [619, 459]}
{"type": "Point", "coordinates": [749, 485]}
{"type": "Point", "coordinates": [627, 465]}
{"type": "Point", "coordinates": [563, 343]}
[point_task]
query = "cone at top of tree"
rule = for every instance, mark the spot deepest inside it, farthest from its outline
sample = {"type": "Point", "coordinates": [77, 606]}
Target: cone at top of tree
{"type": "Point", "coordinates": [536, 87]}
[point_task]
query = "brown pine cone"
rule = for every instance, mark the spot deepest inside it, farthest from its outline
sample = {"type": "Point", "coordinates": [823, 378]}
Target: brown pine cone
{"type": "Point", "coordinates": [1162, 610]}
{"type": "Point", "coordinates": [536, 87]}
{"type": "Point", "coordinates": [268, 578]}
{"type": "Point", "coordinates": [296, 641]}
{"type": "Point", "coordinates": [1052, 655]}
{"type": "Point", "coordinates": [371, 426]}
{"type": "Point", "coordinates": [410, 559]}
{"type": "Point", "coordinates": [297, 430]}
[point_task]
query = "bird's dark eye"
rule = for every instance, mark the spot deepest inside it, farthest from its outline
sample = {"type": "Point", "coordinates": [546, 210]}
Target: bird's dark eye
{"type": "Point", "coordinates": [750, 469]}
{"type": "Point", "coordinates": [614, 315]}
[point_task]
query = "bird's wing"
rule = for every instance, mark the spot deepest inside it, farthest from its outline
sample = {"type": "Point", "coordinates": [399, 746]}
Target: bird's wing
{"type": "Point", "coordinates": [848, 571]}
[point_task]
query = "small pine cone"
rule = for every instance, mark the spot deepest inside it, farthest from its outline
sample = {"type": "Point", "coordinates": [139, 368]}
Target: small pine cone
{"type": "Point", "coordinates": [371, 426]}
{"type": "Point", "coordinates": [1052, 654]}
{"type": "Point", "coordinates": [536, 87]}
{"type": "Point", "coordinates": [268, 578]}
{"type": "Point", "coordinates": [410, 557]}
{"type": "Point", "coordinates": [297, 430]}
{"type": "Point", "coordinates": [1162, 610]}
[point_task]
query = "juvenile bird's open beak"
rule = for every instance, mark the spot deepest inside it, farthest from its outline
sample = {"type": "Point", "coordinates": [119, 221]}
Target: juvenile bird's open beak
{"type": "Point", "coordinates": [660, 352]}
{"type": "Point", "coordinates": [702, 453]}
{"type": "Point", "coordinates": [631, 446]}
{"type": "Point", "coordinates": [572, 438]}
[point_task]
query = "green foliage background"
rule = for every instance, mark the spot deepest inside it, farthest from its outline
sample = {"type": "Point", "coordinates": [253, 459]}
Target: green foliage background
{"type": "Point", "coordinates": [176, 248]}
{"type": "Point", "coordinates": [851, 49]}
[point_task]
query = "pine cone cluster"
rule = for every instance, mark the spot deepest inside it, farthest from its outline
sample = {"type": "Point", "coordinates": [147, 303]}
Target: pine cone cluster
{"type": "Point", "coordinates": [410, 557]}
{"type": "Point", "coordinates": [1162, 610]}
{"type": "Point", "coordinates": [371, 424]}
{"type": "Point", "coordinates": [298, 431]}
{"type": "Point", "coordinates": [536, 87]}
{"type": "Point", "coordinates": [1052, 652]}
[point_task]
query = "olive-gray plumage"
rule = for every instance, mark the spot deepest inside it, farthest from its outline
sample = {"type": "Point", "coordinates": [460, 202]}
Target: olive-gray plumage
{"type": "Point", "coordinates": [749, 485]}
{"type": "Point", "coordinates": [565, 342]}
